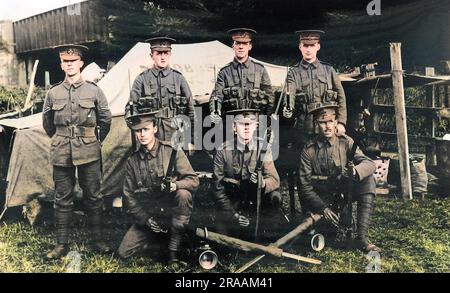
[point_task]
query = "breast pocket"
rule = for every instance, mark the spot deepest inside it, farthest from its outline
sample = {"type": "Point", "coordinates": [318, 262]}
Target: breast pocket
{"type": "Point", "coordinates": [250, 80]}
{"type": "Point", "coordinates": [59, 112]}
{"type": "Point", "coordinates": [322, 78]}
{"type": "Point", "coordinates": [87, 113]}
{"type": "Point", "coordinates": [149, 91]}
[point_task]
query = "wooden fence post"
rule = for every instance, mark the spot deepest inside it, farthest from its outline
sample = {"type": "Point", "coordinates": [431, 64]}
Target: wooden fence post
{"type": "Point", "coordinates": [400, 119]}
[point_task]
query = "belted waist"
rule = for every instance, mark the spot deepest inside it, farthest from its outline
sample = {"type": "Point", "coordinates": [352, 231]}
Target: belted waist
{"type": "Point", "coordinates": [73, 131]}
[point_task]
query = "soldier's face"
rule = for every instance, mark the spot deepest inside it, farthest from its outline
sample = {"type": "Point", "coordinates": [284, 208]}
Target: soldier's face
{"type": "Point", "coordinates": [245, 131]}
{"type": "Point", "coordinates": [241, 49]}
{"type": "Point", "coordinates": [309, 52]}
{"type": "Point", "coordinates": [71, 67]}
{"type": "Point", "coordinates": [161, 58]}
{"type": "Point", "coordinates": [327, 128]}
{"type": "Point", "coordinates": [146, 135]}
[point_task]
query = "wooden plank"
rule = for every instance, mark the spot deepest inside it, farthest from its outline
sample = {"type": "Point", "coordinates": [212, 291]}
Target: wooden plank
{"type": "Point", "coordinates": [400, 119]}
{"type": "Point", "coordinates": [391, 108]}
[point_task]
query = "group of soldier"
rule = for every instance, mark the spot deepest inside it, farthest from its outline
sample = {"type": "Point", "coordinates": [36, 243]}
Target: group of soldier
{"type": "Point", "coordinates": [160, 183]}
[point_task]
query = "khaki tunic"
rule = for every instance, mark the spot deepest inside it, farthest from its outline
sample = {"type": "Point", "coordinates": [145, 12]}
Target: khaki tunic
{"type": "Point", "coordinates": [328, 158]}
{"type": "Point", "coordinates": [146, 169]}
{"type": "Point", "coordinates": [246, 76]}
{"type": "Point", "coordinates": [165, 88]}
{"type": "Point", "coordinates": [239, 164]}
{"type": "Point", "coordinates": [70, 116]}
{"type": "Point", "coordinates": [314, 79]}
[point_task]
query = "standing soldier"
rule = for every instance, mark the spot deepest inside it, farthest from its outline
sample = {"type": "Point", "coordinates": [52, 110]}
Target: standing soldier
{"type": "Point", "coordinates": [163, 89]}
{"type": "Point", "coordinates": [242, 83]}
{"type": "Point", "coordinates": [311, 81]}
{"type": "Point", "coordinates": [76, 116]}
{"type": "Point", "coordinates": [327, 156]}
{"type": "Point", "coordinates": [159, 184]}
{"type": "Point", "coordinates": [236, 178]}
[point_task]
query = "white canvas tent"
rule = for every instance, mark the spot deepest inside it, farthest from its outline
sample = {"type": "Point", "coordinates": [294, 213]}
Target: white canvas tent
{"type": "Point", "coordinates": [29, 172]}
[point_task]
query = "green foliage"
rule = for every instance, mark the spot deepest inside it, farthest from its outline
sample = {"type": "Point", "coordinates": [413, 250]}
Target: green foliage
{"type": "Point", "coordinates": [14, 98]}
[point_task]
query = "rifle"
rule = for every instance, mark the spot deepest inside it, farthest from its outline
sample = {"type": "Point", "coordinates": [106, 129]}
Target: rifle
{"type": "Point", "coordinates": [285, 91]}
{"type": "Point", "coordinates": [167, 179]}
{"type": "Point", "coordinates": [130, 104]}
{"type": "Point", "coordinates": [97, 128]}
{"type": "Point", "coordinates": [350, 167]}
{"type": "Point", "coordinates": [267, 141]}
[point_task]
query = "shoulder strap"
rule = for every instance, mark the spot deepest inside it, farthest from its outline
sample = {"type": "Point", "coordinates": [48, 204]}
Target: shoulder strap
{"type": "Point", "coordinates": [176, 82]}
{"type": "Point", "coordinates": [258, 75]}
{"type": "Point", "coordinates": [142, 170]}
{"type": "Point", "coordinates": [170, 167]}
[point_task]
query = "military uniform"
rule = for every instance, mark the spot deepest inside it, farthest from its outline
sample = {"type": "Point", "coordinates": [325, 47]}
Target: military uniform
{"type": "Point", "coordinates": [307, 84]}
{"type": "Point", "coordinates": [242, 85]}
{"type": "Point", "coordinates": [234, 163]}
{"type": "Point", "coordinates": [312, 83]}
{"type": "Point", "coordinates": [144, 174]}
{"type": "Point", "coordinates": [72, 115]}
{"type": "Point", "coordinates": [238, 82]}
{"type": "Point", "coordinates": [328, 158]}
{"type": "Point", "coordinates": [165, 90]}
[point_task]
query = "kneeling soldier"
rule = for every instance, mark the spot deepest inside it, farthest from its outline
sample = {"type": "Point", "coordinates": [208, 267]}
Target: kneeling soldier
{"type": "Point", "coordinates": [327, 156]}
{"type": "Point", "coordinates": [236, 179]}
{"type": "Point", "coordinates": [159, 183]}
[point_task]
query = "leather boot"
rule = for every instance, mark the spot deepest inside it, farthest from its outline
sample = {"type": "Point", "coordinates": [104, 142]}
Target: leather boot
{"type": "Point", "coordinates": [97, 244]}
{"type": "Point", "coordinates": [365, 207]}
{"type": "Point", "coordinates": [62, 223]}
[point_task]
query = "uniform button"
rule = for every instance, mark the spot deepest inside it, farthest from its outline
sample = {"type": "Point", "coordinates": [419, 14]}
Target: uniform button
{"type": "Point", "coordinates": [151, 171]}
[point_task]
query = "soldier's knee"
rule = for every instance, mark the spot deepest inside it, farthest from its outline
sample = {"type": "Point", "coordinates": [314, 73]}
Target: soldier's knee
{"type": "Point", "coordinates": [183, 196]}
{"type": "Point", "coordinates": [123, 253]}
{"type": "Point", "coordinates": [275, 198]}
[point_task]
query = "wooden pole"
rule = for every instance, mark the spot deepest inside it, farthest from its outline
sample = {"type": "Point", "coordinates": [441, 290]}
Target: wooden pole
{"type": "Point", "coordinates": [28, 102]}
{"type": "Point", "coordinates": [305, 225]}
{"type": "Point", "coordinates": [400, 119]}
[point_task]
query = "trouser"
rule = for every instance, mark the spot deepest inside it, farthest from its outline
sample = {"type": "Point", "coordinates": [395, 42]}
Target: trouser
{"type": "Point", "coordinates": [89, 176]}
{"type": "Point", "coordinates": [364, 195]}
{"type": "Point", "coordinates": [138, 238]}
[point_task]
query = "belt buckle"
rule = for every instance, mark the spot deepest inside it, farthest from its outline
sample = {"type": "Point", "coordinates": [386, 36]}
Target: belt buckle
{"type": "Point", "coordinates": [72, 131]}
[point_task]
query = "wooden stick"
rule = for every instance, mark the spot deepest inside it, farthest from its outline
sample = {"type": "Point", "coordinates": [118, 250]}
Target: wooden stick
{"type": "Point", "coordinates": [27, 105]}
{"type": "Point", "coordinates": [306, 224]}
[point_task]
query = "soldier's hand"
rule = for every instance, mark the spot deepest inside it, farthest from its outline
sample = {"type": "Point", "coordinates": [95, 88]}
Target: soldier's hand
{"type": "Point", "coordinates": [191, 149]}
{"type": "Point", "coordinates": [242, 220]}
{"type": "Point", "coordinates": [254, 179]}
{"type": "Point", "coordinates": [330, 216]}
{"type": "Point", "coordinates": [173, 186]}
{"type": "Point", "coordinates": [340, 129]}
{"type": "Point", "coordinates": [154, 226]}
{"type": "Point", "coordinates": [287, 113]}
{"type": "Point", "coordinates": [215, 118]}
{"type": "Point", "coordinates": [346, 173]}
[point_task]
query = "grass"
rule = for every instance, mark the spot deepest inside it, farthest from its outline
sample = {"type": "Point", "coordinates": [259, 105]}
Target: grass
{"type": "Point", "coordinates": [414, 236]}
